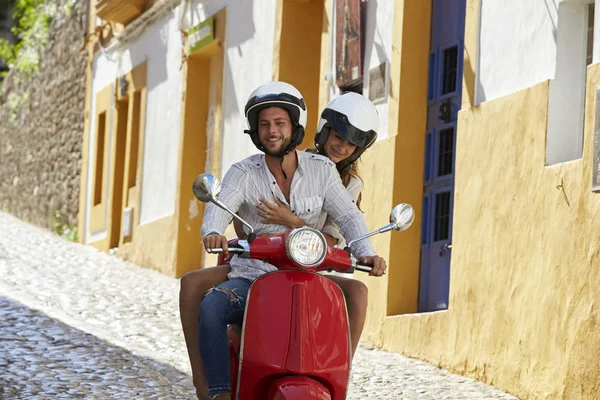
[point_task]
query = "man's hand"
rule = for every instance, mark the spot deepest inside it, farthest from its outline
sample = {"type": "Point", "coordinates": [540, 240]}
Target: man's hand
{"type": "Point", "coordinates": [216, 241]}
{"type": "Point", "coordinates": [379, 265]}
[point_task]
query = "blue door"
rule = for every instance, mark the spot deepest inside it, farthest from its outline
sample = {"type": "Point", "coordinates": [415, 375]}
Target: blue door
{"type": "Point", "coordinates": [444, 101]}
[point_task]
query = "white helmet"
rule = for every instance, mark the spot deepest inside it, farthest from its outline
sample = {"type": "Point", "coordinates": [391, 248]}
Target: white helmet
{"type": "Point", "coordinates": [276, 94]}
{"type": "Point", "coordinates": [354, 118]}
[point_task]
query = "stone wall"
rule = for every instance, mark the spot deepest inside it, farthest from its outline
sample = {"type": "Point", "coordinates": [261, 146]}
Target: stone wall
{"type": "Point", "coordinates": [41, 127]}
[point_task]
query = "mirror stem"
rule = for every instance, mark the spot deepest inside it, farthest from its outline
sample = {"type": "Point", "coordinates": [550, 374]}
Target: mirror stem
{"type": "Point", "coordinates": [224, 207]}
{"type": "Point", "coordinates": [386, 228]}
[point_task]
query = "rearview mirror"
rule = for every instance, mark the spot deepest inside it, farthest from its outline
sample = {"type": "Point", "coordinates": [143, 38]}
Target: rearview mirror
{"type": "Point", "coordinates": [402, 217]}
{"type": "Point", "coordinates": [206, 188]}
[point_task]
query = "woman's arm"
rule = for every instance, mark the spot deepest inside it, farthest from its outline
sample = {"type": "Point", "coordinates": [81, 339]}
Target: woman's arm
{"type": "Point", "coordinates": [278, 214]}
{"type": "Point", "coordinates": [239, 229]}
{"type": "Point", "coordinates": [331, 241]}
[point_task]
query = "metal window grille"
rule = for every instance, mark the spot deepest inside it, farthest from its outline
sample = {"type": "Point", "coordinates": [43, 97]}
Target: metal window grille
{"type": "Point", "coordinates": [450, 70]}
{"type": "Point", "coordinates": [442, 216]}
{"type": "Point", "coordinates": [446, 151]}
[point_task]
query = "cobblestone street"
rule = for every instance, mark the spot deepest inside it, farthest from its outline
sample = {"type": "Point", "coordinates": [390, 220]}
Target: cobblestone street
{"type": "Point", "coordinates": [78, 323]}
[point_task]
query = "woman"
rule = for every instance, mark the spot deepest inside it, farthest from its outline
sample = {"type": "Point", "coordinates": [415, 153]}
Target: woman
{"type": "Point", "coordinates": [348, 126]}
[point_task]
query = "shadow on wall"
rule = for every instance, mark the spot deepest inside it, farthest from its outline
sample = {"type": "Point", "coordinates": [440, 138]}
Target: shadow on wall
{"type": "Point", "coordinates": [552, 7]}
{"type": "Point", "coordinates": [473, 83]}
{"type": "Point", "coordinates": [240, 28]}
{"type": "Point", "coordinates": [243, 11]}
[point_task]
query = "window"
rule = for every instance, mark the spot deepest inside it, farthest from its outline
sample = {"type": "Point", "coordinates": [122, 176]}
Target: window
{"type": "Point", "coordinates": [136, 123]}
{"type": "Point", "coordinates": [450, 68]}
{"type": "Point", "coordinates": [101, 132]}
{"type": "Point", "coordinates": [566, 97]}
{"type": "Point", "coordinates": [349, 44]}
{"type": "Point", "coordinates": [445, 151]}
{"type": "Point", "coordinates": [442, 216]}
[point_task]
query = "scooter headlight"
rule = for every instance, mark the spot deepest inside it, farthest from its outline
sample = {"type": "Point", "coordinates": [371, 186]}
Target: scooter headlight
{"type": "Point", "coordinates": [306, 246]}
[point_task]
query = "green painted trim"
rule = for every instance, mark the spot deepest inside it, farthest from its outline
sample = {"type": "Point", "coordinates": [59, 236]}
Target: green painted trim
{"type": "Point", "coordinates": [201, 34]}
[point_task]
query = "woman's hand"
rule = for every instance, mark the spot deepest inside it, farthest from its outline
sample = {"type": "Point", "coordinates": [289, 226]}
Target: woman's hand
{"type": "Point", "coordinates": [331, 241]}
{"type": "Point", "coordinates": [278, 214]}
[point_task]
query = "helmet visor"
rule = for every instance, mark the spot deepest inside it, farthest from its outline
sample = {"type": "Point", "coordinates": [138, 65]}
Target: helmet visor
{"type": "Point", "coordinates": [339, 122]}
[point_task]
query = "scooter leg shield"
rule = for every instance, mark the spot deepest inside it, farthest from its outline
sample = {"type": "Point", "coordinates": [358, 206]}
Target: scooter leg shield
{"type": "Point", "coordinates": [298, 388]}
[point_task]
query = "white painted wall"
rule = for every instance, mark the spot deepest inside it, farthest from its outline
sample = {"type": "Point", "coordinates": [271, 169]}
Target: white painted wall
{"type": "Point", "coordinates": [517, 43]}
{"type": "Point", "coordinates": [163, 112]}
{"type": "Point", "coordinates": [159, 45]}
{"type": "Point", "coordinates": [248, 64]}
{"type": "Point", "coordinates": [249, 41]}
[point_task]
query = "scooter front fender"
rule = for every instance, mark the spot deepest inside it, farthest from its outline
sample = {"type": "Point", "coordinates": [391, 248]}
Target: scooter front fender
{"type": "Point", "coordinates": [298, 388]}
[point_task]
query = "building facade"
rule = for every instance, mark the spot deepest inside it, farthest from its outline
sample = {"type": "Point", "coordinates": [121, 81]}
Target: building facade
{"type": "Point", "coordinates": [168, 81]}
{"type": "Point", "coordinates": [487, 127]}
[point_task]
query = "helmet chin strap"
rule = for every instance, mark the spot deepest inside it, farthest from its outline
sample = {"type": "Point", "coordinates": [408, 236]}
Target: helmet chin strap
{"type": "Point", "coordinates": [345, 165]}
{"type": "Point", "coordinates": [291, 147]}
{"type": "Point", "coordinates": [281, 159]}
{"type": "Point", "coordinates": [282, 170]}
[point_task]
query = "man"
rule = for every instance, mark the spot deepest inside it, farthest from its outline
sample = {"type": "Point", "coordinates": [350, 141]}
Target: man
{"type": "Point", "coordinates": [307, 183]}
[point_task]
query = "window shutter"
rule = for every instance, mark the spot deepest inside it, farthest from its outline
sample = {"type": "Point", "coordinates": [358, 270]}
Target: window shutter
{"type": "Point", "coordinates": [348, 46]}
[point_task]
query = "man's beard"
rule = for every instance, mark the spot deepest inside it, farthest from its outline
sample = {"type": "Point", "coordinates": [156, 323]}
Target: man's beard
{"type": "Point", "coordinates": [279, 153]}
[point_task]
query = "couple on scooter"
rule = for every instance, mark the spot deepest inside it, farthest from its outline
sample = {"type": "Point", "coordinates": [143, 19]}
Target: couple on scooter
{"type": "Point", "coordinates": [275, 191]}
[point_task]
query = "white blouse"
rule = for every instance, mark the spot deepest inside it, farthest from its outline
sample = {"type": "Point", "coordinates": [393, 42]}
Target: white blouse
{"type": "Point", "coordinates": [354, 188]}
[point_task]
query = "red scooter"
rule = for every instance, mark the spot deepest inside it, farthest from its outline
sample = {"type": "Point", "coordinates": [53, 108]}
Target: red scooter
{"type": "Point", "coordinates": [295, 336]}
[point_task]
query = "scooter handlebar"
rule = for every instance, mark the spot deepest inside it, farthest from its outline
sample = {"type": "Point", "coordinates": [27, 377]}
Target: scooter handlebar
{"type": "Point", "coordinates": [230, 250]}
{"type": "Point", "coordinates": [365, 267]}
{"type": "Point", "coordinates": [234, 246]}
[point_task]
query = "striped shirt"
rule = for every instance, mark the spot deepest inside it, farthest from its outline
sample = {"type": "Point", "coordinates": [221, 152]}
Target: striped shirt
{"type": "Point", "coordinates": [316, 187]}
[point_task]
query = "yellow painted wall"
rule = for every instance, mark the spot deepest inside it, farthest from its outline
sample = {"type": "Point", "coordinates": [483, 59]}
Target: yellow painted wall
{"type": "Point", "coordinates": [101, 166]}
{"type": "Point", "coordinates": [376, 204]}
{"type": "Point", "coordinates": [298, 29]}
{"type": "Point", "coordinates": [120, 137]}
{"type": "Point", "coordinates": [91, 18]}
{"type": "Point", "coordinates": [392, 169]}
{"type": "Point", "coordinates": [192, 158]}
{"type": "Point", "coordinates": [523, 308]}
{"type": "Point", "coordinates": [408, 119]}
{"type": "Point", "coordinates": [203, 68]}
{"type": "Point", "coordinates": [137, 96]}
{"type": "Point", "coordinates": [151, 245]}
{"type": "Point", "coordinates": [523, 290]}
{"type": "Point", "coordinates": [154, 246]}
{"type": "Point", "coordinates": [173, 244]}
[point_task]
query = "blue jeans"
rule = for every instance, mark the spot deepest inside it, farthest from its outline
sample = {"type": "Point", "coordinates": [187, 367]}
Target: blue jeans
{"type": "Point", "coordinates": [221, 306]}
